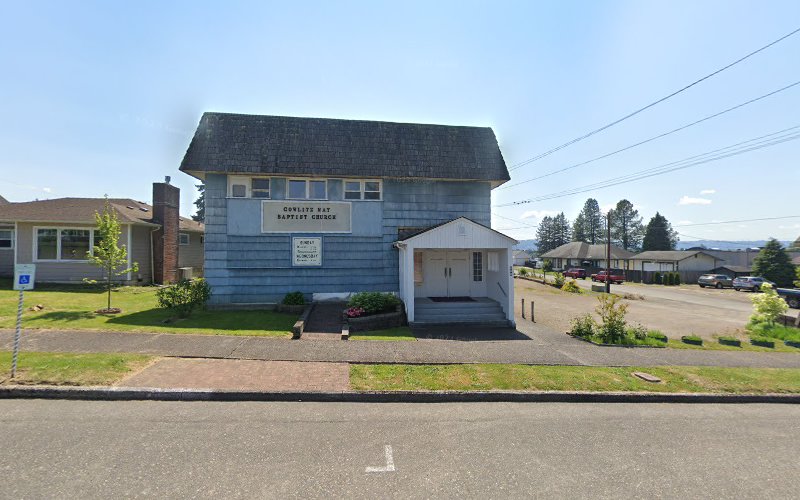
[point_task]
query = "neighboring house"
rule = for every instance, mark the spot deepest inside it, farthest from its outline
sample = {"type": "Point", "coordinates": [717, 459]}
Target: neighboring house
{"type": "Point", "coordinates": [521, 257]}
{"type": "Point", "coordinates": [689, 263]}
{"type": "Point", "coordinates": [580, 254]}
{"type": "Point", "coordinates": [56, 235]}
{"type": "Point", "coordinates": [332, 207]}
{"type": "Point", "coordinates": [732, 271]}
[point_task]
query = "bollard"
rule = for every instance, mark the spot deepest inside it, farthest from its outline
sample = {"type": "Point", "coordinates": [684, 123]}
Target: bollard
{"type": "Point", "coordinates": [523, 308]}
{"type": "Point", "coordinates": [533, 318]}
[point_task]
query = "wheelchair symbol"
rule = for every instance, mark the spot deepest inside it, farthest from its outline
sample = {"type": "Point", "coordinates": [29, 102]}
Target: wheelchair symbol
{"type": "Point", "coordinates": [24, 279]}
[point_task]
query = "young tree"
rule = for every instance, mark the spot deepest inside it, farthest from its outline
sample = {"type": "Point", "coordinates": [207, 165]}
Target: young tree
{"type": "Point", "coordinates": [200, 203]}
{"type": "Point", "coordinates": [626, 226]}
{"type": "Point", "coordinates": [773, 263]}
{"type": "Point", "coordinates": [107, 254]}
{"type": "Point", "coordinates": [767, 306]}
{"type": "Point", "coordinates": [659, 235]}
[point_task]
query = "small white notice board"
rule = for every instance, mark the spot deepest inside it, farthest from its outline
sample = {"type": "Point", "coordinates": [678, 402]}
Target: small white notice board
{"type": "Point", "coordinates": [307, 252]}
{"type": "Point", "coordinates": [24, 276]}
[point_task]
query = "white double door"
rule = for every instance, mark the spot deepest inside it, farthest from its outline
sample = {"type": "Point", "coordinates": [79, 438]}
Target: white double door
{"type": "Point", "coordinates": [446, 273]}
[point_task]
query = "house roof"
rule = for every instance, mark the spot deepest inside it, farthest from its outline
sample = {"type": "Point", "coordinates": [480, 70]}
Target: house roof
{"type": "Point", "coordinates": [581, 250]}
{"type": "Point", "coordinates": [256, 144]}
{"type": "Point", "coordinates": [735, 269]}
{"type": "Point", "coordinates": [3, 201]}
{"type": "Point", "coordinates": [82, 210]}
{"type": "Point", "coordinates": [670, 255]}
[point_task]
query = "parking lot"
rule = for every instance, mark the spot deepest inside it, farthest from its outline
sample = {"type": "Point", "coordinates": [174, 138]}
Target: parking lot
{"type": "Point", "coordinates": [675, 310]}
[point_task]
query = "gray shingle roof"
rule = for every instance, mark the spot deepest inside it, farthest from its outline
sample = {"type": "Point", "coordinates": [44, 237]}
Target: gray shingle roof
{"type": "Point", "coordinates": [581, 250]}
{"type": "Point", "coordinates": [82, 210]}
{"type": "Point", "coordinates": [233, 143]}
{"type": "Point", "coordinates": [670, 255]}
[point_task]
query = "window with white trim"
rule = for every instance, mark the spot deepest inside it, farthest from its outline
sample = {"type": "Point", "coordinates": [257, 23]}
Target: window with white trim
{"type": "Point", "coordinates": [183, 238]}
{"type": "Point", "coordinates": [64, 244]}
{"type": "Point", "coordinates": [307, 189]}
{"type": "Point", "coordinates": [238, 186]}
{"type": "Point", "coordinates": [362, 189]}
{"type": "Point", "coordinates": [477, 266]}
{"type": "Point", "coordinates": [6, 238]}
{"type": "Point", "coordinates": [259, 187]}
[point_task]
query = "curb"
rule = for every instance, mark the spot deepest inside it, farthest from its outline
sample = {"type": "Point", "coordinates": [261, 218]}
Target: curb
{"type": "Point", "coordinates": [154, 394]}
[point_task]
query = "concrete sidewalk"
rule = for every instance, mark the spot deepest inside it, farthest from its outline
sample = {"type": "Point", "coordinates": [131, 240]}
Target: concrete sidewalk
{"type": "Point", "coordinates": [546, 347]}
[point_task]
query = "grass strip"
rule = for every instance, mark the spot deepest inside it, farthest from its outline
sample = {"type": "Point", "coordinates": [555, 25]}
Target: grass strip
{"type": "Point", "coordinates": [402, 333]}
{"type": "Point", "coordinates": [487, 377]}
{"type": "Point", "coordinates": [49, 368]}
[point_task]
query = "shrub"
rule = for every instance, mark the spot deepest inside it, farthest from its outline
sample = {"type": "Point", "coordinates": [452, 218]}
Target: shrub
{"type": "Point", "coordinates": [523, 271]}
{"type": "Point", "coordinates": [184, 296]}
{"type": "Point", "coordinates": [571, 286]}
{"type": "Point", "coordinates": [374, 302]}
{"type": "Point", "coordinates": [612, 314]}
{"type": "Point", "coordinates": [559, 279]}
{"type": "Point", "coordinates": [677, 280]}
{"type": "Point", "coordinates": [638, 332]}
{"type": "Point", "coordinates": [293, 299]}
{"type": "Point", "coordinates": [657, 278]}
{"type": "Point", "coordinates": [767, 306]}
{"type": "Point", "coordinates": [583, 326]}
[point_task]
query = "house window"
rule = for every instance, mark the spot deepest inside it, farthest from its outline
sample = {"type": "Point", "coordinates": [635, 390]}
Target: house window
{"type": "Point", "coordinates": [493, 261]}
{"type": "Point", "coordinates": [418, 267]}
{"type": "Point", "coordinates": [183, 238]}
{"type": "Point", "coordinates": [64, 244]}
{"type": "Point", "coordinates": [202, 239]}
{"type": "Point", "coordinates": [237, 186]}
{"type": "Point", "coordinates": [259, 187]}
{"type": "Point", "coordinates": [477, 266]}
{"type": "Point", "coordinates": [307, 189]}
{"type": "Point", "coordinates": [362, 190]}
{"type": "Point", "coordinates": [6, 238]}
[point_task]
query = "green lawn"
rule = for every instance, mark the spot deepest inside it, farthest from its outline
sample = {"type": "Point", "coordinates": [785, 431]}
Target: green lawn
{"type": "Point", "coordinates": [69, 369]}
{"type": "Point", "coordinates": [401, 333]}
{"type": "Point", "coordinates": [486, 377]}
{"type": "Point", "coordinates": [71, 307]}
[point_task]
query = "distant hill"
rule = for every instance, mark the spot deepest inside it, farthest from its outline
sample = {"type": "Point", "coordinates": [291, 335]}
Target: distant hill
{"type": "Point", "coordinates": [529, 245]}
{"type": "Point", "coordinates": [726, 245]}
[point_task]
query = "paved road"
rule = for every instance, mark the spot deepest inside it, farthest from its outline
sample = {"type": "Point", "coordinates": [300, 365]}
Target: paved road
{"type": "Point", "coordinates": [71, 449]}
{"type": "Point", "coordinates": [544, 347]}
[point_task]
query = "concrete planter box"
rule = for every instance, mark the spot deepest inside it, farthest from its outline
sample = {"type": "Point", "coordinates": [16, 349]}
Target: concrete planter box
{"type": "Point", "coordinates": [730, 342]}
{"type": "Point", "coordinates": [376, 321]}
{"type": "Point", "coordinates": [763, 343]}
{"type": "Point", "coordinates": [687, 340]}
{"type": "Point", "coordinates": [792, 343]}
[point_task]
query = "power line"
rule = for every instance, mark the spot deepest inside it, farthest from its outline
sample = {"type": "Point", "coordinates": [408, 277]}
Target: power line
{"type": "Point", "coordinates": [711, 156]}
{"type": "Point", "coordinates": [513, 220]}
{"type": "Point", "coordinates": [558, 171]}
{"type": "Point", "coordinates": [629, 115]}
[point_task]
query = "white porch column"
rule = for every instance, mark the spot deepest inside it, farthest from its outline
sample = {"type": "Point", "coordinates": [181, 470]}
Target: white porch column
{"type": "Point", "coordinates": [407, 277]}
{"type": "Point", "coordinates": [510, 276]}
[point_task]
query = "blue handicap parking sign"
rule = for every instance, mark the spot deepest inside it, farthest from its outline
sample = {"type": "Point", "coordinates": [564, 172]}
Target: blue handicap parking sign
{"type": "Point", "coordinates": [24, 279]}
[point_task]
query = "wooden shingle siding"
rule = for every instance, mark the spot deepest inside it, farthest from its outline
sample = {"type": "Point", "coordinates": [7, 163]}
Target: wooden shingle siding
{"type": "Point", "coordinates": [250, 267]}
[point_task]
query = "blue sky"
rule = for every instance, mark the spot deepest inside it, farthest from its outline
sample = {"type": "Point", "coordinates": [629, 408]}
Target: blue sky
{"type": "Point", "coordinates": [103, 97]}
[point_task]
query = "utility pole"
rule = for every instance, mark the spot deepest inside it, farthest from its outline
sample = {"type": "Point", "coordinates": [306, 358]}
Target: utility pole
{"type": "Point", "coordinates": [608, 253]}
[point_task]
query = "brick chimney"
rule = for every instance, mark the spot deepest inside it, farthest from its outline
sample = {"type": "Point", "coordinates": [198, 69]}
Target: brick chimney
{"type": "Point", "coordinates": [166, 206]}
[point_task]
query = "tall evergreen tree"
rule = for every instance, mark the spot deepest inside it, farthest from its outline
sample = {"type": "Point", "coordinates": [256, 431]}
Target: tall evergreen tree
{"type": "Point", "coordinates": [200, 203]}
{"type": "Point", "coordinates": [579, 228]}
{"type": "Point", "coordinates": [626, 226]}
{"type": "Point", "coordinates": [544, 235]}
{"type": "Point", "coordinates": [773, 263]}
{"type": "Point", "coordinates": [562, 233]}
{"type": "Point", "coordinates": [589, 226]}
{"type": "Point", "coordinates": [659, 235]}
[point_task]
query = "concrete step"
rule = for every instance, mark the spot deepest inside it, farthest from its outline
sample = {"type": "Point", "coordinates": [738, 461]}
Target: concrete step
{"type": "Point", "coordinates": [482, 324]}
{"type": "Point", "coordinates": [457, 305]}
{"type": "Point", "coordinates": [458, 318]}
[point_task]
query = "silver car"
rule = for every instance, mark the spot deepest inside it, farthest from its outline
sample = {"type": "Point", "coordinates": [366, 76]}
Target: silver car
{"type": "Point", "coordinates": [715, 280]}
{"type": "Point", "coordinates": [752, 283]}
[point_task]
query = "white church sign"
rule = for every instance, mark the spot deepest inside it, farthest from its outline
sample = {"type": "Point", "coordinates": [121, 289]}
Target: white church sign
{"type": "Point", "coordinates": [307, 251]}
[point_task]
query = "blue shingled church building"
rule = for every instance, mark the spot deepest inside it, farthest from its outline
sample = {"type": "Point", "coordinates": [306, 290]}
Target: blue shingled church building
{"type": "Point", "coordinates": [332, 207]}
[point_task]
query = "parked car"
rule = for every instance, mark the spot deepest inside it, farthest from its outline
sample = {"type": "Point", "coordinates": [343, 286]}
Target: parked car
{"type": "Point", "coordinates": [616, 276]}
{"type": "Point", "coordinates": [575, 272]}
{"type": "Point", "coordinates": [791, 296]}
{"type": "Point", "coordinates": [752, 283]}
{"type": "Point", "coordinates": [715, 280]}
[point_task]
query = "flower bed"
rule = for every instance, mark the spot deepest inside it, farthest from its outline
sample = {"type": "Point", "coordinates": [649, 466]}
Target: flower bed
{"type": "Point", "coordinates": [376, 321]}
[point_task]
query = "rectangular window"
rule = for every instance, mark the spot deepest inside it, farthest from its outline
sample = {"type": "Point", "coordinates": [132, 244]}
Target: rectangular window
{"type": "Point", "coordinates": [259, 188]}
{"type": "Point", "coordinates": [47, 244]}
{"type": "Point", "coordinates": [75, 244]}
{"type": "Point", "coordinates": [183, 238]}
{"type": "Point", "coordinates": [418, 267]}
{"type": "Point", "coordinates": [6, 238]}
{"type": "Point", "coordinates": [238, 186]}
{"type": "Point", "coordinates": [362, 190]}
{"type": "Point", "coordinates": [303, 189]}
{"type": "Point", "coordinates": [493, 261]}
{"type": "Point", "coordinates": [477, 266]}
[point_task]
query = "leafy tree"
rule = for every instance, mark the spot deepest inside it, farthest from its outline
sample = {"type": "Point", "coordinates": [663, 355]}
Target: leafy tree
{"type": "Point", "coordinates": [589, 225]}
{"type": "Point", "coordinates": [659, 235]}
{"type": "Point", "coordinates": [200, 203]}
{"type": "Point", "coordinates": [107, 254]}
{"type": "Point", "coordinates": [773, 263]}
{"type": "Point", "coordinates": [626, 226]}
{"type": "Point", "coordinates": [547, 267]}
{"type": "Point", "coordinates": [767, 306]}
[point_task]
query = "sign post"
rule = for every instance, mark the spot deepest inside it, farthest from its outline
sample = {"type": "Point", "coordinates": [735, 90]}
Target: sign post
{"type": "Point", "coordinates": [24, 275]}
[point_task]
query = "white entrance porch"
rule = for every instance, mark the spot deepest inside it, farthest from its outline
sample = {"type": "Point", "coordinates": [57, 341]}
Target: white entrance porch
{"type": "Point", "coordinates": [457, 272]}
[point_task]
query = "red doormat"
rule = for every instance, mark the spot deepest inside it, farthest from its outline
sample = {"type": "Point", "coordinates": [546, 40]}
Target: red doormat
{"type": "Point", "coordinates": [452, 299]}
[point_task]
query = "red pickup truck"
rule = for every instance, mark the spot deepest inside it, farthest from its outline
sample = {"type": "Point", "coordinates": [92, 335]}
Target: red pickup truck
{"type": "Point", "coordinates": [615, 276]}
{"type": "Point", "coordinates": [575, 272]}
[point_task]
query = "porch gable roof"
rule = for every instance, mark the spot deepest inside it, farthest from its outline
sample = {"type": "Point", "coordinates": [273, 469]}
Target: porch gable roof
{"type": "Point", "coordinates": [459, 233]}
